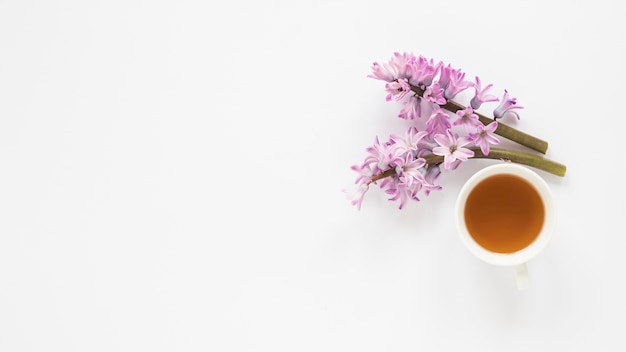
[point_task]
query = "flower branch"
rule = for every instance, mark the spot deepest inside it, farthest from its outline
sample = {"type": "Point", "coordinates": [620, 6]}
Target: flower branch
{"type": "Point", "coordinates": [503, 130]}
{"type": "Point", "coordinates": [515, 156]}
{"type": "Point", "coordinates": [407, 166]}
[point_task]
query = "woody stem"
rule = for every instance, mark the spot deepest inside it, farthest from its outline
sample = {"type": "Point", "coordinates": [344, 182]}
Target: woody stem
{"type": "Point", "coordinates": [516, 156]}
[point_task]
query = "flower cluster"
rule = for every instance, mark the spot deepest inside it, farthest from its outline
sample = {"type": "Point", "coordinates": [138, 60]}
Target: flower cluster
{"type": "Point", "coordinates": [409, 165]}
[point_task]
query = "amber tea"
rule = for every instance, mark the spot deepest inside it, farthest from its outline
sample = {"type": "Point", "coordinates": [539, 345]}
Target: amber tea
{"type": "Point", "coordinates": [504, 213]}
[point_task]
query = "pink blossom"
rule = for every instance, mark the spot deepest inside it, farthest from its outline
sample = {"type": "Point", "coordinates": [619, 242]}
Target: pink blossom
{"type": "Point", "coordinates": [484, 136]}
{"type": "Point", "coordinates": [399, 165]}
{"type": "Point", "coordinates": [438, 122]}
{"type": "Point", "coordinates": [411, 108]}
{"type": "Point", "coordinates": [365, 173]}
{"type": "Point", "coordinates": [456, 83]}
{"type": "Point", "coordinates": [356, 196]}
{"type": "Point", "coordinates": [480, 95]}
{"type": "Point", "coordinates": [383, 72]}
{"type": "Point", "coordinates": [397, 89]}
{"type": "Point", "coordinates": [407, 168]}
{"type": "Point", "coordinates": [409, 142]}
{"type": "Point", "coordinates": [506, 105]}
{"type": "Point", "coordinates": [451, 148]}
{"type": "Point", "coordinates": [395, 69]}
{"type": "Point", "coordinates": [422, 71]}
{"type": "Point", "coordinates": [434, 93]}
{"type": "Point", "coordinates": [380, 155]}
{"type": "Point", "coordinates": [444, 77]}
{"type": "Point", "coordinates": [402, 193]}
{"type": "Point", "coordinates": [402, 63]}
{"type": "Point", "coordinates": [431, 176]}
{"type": "Point", "coordinates": [467, 118]}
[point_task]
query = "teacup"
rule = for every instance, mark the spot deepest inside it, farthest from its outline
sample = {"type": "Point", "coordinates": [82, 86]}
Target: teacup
{"type": "Point", "coordinates": [505, 216]}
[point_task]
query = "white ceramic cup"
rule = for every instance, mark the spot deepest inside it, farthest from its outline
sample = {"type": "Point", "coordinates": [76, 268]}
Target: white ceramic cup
{"type": "Point", "coordinates": [517, 260]}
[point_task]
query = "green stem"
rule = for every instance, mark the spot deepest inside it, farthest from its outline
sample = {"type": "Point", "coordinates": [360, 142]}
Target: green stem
{"type": "Point", "coordinates": [503, 130]}
{"type": "Point", "coordinates": [516, 156]}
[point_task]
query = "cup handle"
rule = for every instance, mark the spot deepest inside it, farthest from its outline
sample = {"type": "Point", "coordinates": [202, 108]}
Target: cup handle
{"type": "Point", "coordinates": [521, 276]}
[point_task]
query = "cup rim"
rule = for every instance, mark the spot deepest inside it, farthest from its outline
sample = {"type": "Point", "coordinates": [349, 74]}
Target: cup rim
{"type": "Point", "coordinates": [527, 253]}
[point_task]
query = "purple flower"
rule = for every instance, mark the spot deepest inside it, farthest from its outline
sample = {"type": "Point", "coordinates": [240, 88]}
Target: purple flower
{"type": "Point", "coordinates": [431, 176]}
{"type": "Point", "coordinates": [402, 63]}
{"type": "Point", "coordinates": [438, 122]}
{"type": "Point", "coordinates": [396, 68]}
{"type": "Point", "coordinates": [456, 83]}
{"type": "Point", "coordinates": [403, 166]}
{"type": "Point", "coordinates": [484, 136]}
{"type": "Point", "coordinates": [397, 89]}
{"type": "Point", "coordinates": [434, 93]}
{"type": "Point", "coordinates": [380, 155]}
{"type": "Point", "coordinates": [444, 77]}
{"type": "Point", "coordinates": [451, 148]}
{"type": "Point", "coordinates": [422, 71]}
{"type": "Point", "coordinates": [412, 108]}
{"type": "Point", "coordinates": [402, 193]}
{"type": "Point", "coordinates": [356, 197]}
{"type": "Point", "coordinates": [467, 118]}
{"type": "Point", "coordinates": [506, 105]}
{"type": "Point", "coordinates": [408, 143]}
{"type": "Point", "coordinates": [408, 169]}
{"type": "Point", "coordinates": [480, 95]}
{"type": "Point", "coordinates": [365, 173]}
{"type": "Point", "coordinates": [384, 72]}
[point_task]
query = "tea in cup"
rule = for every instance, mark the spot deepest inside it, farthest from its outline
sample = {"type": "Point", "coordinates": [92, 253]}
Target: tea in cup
{"type": "Point", "coordinates": [505, 216]}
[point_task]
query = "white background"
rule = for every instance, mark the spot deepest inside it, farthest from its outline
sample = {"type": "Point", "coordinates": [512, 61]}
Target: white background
{"type": "Point", "coordinates": [172, 173]}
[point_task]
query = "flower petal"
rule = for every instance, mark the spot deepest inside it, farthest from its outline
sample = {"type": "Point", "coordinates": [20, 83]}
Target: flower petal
{"type": "Point", "coordinates": [441, 151]}
{"type": "Point", "coordinates": [442, 140]}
